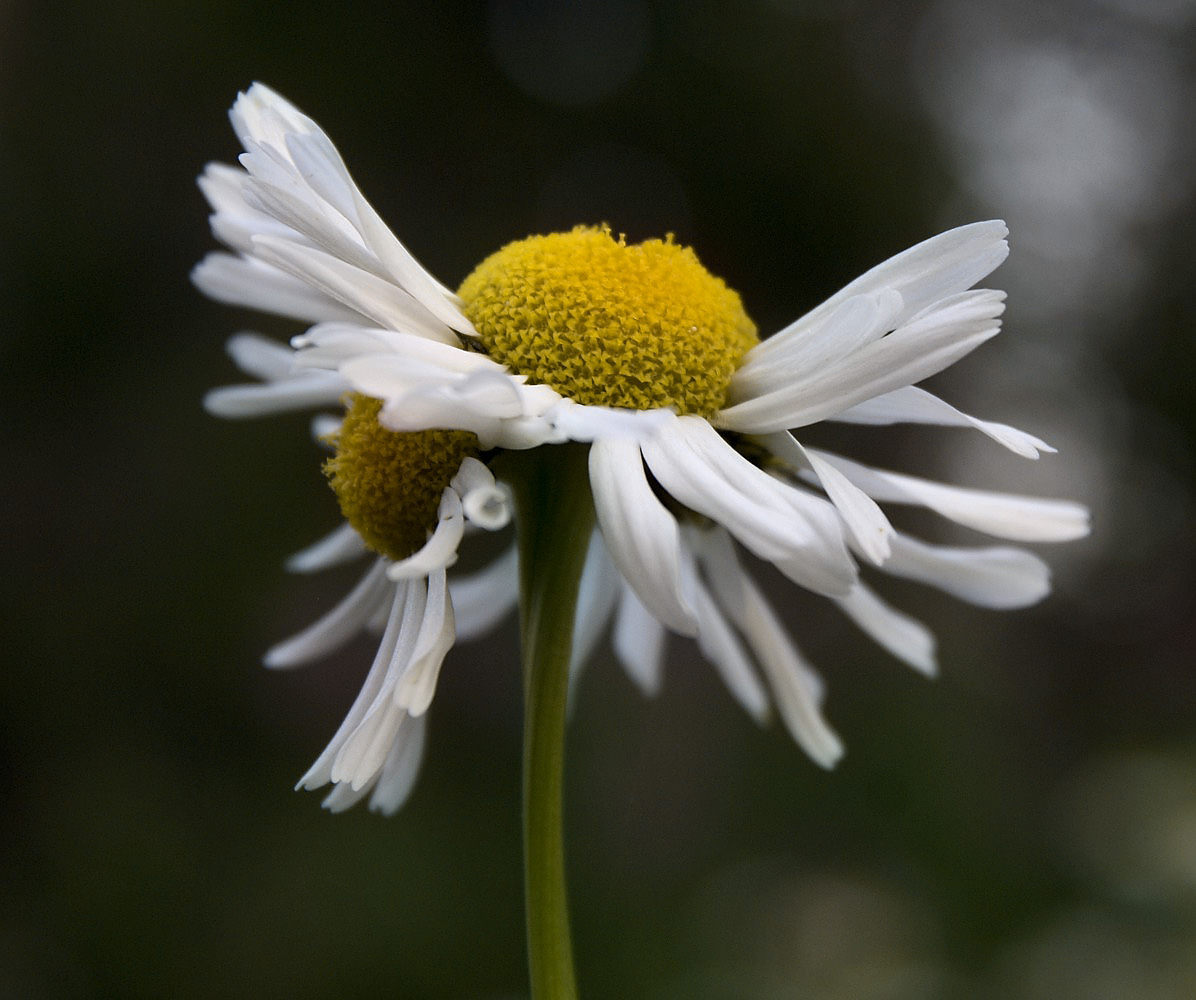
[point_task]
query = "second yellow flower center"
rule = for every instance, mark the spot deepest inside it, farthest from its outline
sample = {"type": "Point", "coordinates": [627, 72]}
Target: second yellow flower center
{"type": "Point", "coordinates": [608, 324]}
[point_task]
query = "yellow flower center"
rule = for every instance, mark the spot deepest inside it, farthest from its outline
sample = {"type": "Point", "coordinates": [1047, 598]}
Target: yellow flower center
{"type": "Point", "coordinates": [389, 483]}
{"type": "Point", "coordinates": [608, 324]}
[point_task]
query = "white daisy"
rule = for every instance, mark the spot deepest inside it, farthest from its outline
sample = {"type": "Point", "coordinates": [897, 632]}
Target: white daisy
{"type": "Point", "coordinates": [651, 362]}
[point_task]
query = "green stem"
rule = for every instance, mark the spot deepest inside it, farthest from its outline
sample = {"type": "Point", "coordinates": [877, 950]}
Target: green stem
{"type": "Point", "coordinates": [554, 519]}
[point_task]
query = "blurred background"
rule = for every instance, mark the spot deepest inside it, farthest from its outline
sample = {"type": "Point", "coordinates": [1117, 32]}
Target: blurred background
{"type": "Point", "coordinates": [1023, 827]}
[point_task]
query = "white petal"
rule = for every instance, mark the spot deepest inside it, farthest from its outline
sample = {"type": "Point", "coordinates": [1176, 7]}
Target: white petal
{"type": "Point", "coordinates": [437, 633]}
{"type": "Point", "coordinates": [274, 190]}
{"type": "Point", "coordinates": [787, 526]}
{"type": "Point", "coordinates": [344, 797]}
{"type": "Point", "coordinates": [869, 527]}
{"type": "Point", "coordinates": [577, 422]}
{"type": "Point", "coordinates": [912, 405]}
{"type": "Point", "coordinates": [482, 599]}
{"type": "Point", "coordinates": [300, 393]}
{"type": "Point", "coordinates": [397, 779]}
{"type": "Point", "coordinates": [853, 323]}
{"type": "Point", "coordinates": [597, 594]}
{"type": "Point", "coordinates": [486, 503]}
{"type": "Point", "coordinates": [367, 745]}
{"type": "Point", "coordinates": [795, 688]}
{"type": "Point", "coordinates": [341, 546]}
{"type": "Point", "coordinates": [1005, 515]}
{"type": "Point", "coordinates": [641, 536]}
{"type": "Point", "coordinates": [638, 642]}
{"type": "Point", "coordinates": [338, 626]}
{"type": "Point", "coordinates": [440, 550]}
{"type": "Point", "coordinates": [934, 269]}
{"type": "Point", "coordinates": [998, 577]}
{"type": "Point", "coordinates": [325, 427]}
{"type": "Point", "coordinates": [393, 353]}
{"type": "Point", "coordinates": [360, 290]}
{"type": "Point", "coordinates": [905, 637]}
{"type": "Point", "coordinates": [253, 284]}
{"type": "Point", "coordinates": [262, 114]}
{"type": "Point", "coordinates": [720, 646]}
{"type": "Point", "coordinates": [234, 221]}
{"type": "Point", "coordinates": [404, 268]}
{"type": "Point", "coordinates": [406, 365]}
{"type": "Point", "coordinates": [261, 357]}
{"type": "Point", "coordinates": [300, 178]}
{"type": "Point", "coordinates": [928, 343]}
{"type": "Point", "coordinates": [396, 643]}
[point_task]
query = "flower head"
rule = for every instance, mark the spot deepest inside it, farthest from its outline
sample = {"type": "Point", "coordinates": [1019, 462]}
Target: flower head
{"type": "Point", "coordinates": [643, 355]}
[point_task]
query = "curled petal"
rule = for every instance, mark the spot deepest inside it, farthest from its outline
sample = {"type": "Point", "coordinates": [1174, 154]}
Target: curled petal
{"type": "Point", "coordinates": [485, 502]}
{"type": "Point", "coordinates": [441, 549]}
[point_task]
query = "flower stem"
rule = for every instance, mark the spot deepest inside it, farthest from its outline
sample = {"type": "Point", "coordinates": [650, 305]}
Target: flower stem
{"type": "Point", "coordinates": [554, 519]}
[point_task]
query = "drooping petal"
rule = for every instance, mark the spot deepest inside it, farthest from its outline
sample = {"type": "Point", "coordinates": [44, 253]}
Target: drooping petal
{"type": "Point", "coordinates": [341, 546]}
{"type": "Point", "coordinates": [597, 593]}
{"type": "Point", "coordinates": [482, 599]}
{"type": "Point", "coordinates": [796, 689]}
{"type": "Point", "coordinates": [437, 632]}
{"type": "Point", "coordinates": [641, 536]}
{"type": "Point", "coordinates": [365, 747]}
{"type": "Point", "coordinates": [638, 640]}
{"type": "Point", "coordinates": [999, 577]}
{"type": "Point", "coordinates": [338, 626]}
{"type": "Point", "coordinates": [719, 644]}
{"type": "Point", "coordinates": [905, 637]}
{"type": "Point", "coordinates": [401, 768]}
{"type": "Point", "coordinates": [397, 640]}
{"type": "Point", "coordinates": [1004, 515]}
{"type": "Point", "coordinates": [790, 527]}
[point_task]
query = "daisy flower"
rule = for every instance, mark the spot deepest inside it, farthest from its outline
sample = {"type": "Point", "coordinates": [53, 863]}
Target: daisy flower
{"type": "Point", "coordinates": [637, 358]}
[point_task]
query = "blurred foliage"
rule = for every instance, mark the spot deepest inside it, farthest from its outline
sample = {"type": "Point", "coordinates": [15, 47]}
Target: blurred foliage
{"type": "Point", "coordinates": [151, 846]}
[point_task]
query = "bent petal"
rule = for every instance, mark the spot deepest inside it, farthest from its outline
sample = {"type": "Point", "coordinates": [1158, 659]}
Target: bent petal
{"type": "Point", "coordinates": [912, 405]}
{"type": "Point", "coordinates": [999, 577]}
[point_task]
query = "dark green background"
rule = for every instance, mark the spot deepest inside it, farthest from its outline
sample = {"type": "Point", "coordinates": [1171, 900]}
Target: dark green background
{"type": "Point", "coordinates": [1023, 827]}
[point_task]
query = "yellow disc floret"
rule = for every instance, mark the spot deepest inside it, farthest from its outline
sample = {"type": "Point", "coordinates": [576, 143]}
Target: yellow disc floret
{"type": "Point", "coordinates": [389, 483]}
{"type": "Point", "coordinates": [604, 323]}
